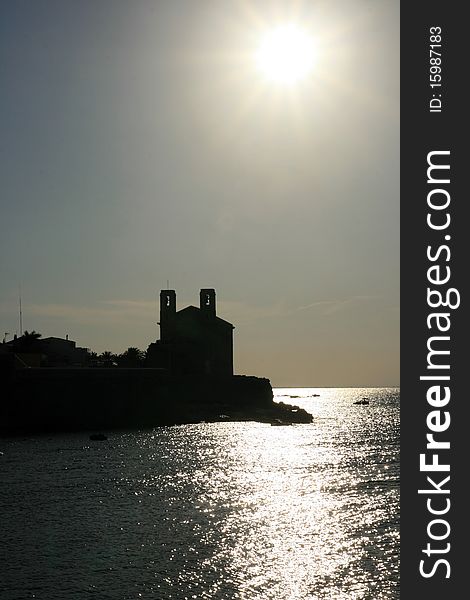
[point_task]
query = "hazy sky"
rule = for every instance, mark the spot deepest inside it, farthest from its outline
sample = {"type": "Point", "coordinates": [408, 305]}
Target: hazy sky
{"type": "Point", "coordinates": [139, 142]}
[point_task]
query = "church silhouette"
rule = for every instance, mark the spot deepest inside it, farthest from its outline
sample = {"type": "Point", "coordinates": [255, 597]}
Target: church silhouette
{"type": "Point", "coordinates": [193, 341]}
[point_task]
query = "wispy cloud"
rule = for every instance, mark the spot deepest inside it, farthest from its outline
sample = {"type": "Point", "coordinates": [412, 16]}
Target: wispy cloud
{"type": "Point", "coordinates": [239, 311]}
{"type": "Point", "coordinates": [330, 307]}
{"type": "Point", "coordinates": [116, 311]}
{"type": "Point", "coordinates": [108, 311]}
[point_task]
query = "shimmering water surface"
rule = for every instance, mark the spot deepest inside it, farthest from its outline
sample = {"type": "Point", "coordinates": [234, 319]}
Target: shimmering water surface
{"type": "Point", "coordinates": [222, 511]}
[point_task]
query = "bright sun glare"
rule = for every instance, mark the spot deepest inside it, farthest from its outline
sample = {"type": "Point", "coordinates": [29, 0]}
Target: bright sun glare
{"type": "Point", "coordinates": [286, 54]}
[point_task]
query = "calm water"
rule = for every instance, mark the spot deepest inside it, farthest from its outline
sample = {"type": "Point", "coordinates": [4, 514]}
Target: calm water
{"type": "Point", "coordinates": [222, 511]}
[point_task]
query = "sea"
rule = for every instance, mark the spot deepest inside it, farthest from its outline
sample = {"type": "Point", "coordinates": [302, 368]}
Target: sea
{"type": "Point", "coordinates": [220, 511]}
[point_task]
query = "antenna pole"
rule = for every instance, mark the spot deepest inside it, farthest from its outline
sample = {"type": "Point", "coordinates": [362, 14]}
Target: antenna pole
{"type": "Point", "coordinates": [21, 313]}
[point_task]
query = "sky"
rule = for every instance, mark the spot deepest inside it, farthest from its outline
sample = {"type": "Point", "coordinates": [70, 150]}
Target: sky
{"type": "Point", "coordinates": [141, 144]}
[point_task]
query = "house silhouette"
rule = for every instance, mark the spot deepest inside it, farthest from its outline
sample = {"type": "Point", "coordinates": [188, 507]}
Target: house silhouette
{"type": "Point", "coordinates": [193, 341]}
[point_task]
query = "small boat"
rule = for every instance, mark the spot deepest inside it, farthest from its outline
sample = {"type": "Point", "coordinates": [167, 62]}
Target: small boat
{"type": "Point", "coordinates": [98, 437]}
{"type": "Point", "coordinates": [362, 402]}
{"type": "Point", "coordinates": [280, 422]}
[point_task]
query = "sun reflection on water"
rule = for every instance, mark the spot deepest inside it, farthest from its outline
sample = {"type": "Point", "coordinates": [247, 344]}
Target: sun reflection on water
{"type": "Point", "coordinates": [301, 511]}
{"type": "Point", "coordinates": [221, 511]}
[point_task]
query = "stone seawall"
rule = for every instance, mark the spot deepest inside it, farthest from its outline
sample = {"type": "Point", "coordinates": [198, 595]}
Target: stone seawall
{"type": "Point", "coordinates": [40, 400]}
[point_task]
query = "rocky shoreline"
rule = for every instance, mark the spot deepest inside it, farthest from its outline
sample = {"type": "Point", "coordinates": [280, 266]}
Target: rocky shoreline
{"type": "Point", "coordinates": [276, 414]}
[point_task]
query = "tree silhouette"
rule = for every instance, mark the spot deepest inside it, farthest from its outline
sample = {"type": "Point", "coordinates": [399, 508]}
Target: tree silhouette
{"type": "Point", "coordinates": [31, 335]}
{"type": "Point", "coordinates": [132, 357]}
{"type": "Point", "coordinates": [28, 342]}
{"type": "Point", "coordinates": [91, 358]}
{"type": "Point", "coordinates": [107, 358]}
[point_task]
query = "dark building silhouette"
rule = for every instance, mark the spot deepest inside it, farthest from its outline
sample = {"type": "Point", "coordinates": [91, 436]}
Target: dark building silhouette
{"type": "Point", "coordinates": [61, 352]}
{"type": "Point", "coordinates": [31, 351]}
{"type": "Point", "coordinates": [193, 341]}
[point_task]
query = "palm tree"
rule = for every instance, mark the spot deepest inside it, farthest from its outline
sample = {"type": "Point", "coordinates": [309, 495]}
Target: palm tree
{"type": "Point", "coordinates": [91, 358]}
{"type": "Point", "coordinates": [107, 358]}
{"type": "Point", "coordinates": [132, 357]}
{"type": "Point", "coordinates": [31, 335]}
{"type": "Point", "coordinates": [28, 342]}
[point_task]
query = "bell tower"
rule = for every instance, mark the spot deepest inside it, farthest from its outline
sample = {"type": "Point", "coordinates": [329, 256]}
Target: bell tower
{"type": "Point", "coordinates": [207, 302]}
{"type": "Point", "coordinates": [167, 314]}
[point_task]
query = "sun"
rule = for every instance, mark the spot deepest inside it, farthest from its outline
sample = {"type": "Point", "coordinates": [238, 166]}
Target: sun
{"type": "Point", "coordinates": [286, 54]}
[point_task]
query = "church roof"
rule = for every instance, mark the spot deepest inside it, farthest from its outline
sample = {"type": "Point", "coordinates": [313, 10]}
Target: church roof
{"type": "Point", "coordinates": [197, 313]}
